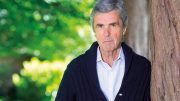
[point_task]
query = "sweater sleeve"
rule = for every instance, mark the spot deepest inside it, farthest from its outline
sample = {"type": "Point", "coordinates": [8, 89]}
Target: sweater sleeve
{"type": "Point", "coordinates": [66, 89]}
{"type": "Point", "coordinates": [147, 96]}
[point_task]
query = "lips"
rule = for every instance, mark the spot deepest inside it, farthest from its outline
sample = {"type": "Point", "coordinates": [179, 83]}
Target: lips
{"type": "Point", "coordinates": [108, 41]}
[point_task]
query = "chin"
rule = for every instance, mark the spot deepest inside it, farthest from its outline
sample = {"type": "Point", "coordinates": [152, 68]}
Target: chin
{"type": "Point", "coordinates": [107, 48]}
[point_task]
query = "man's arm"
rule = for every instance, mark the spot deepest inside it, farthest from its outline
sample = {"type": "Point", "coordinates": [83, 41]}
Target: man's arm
{"type": "Point", "coordinates": [147, 96]}
{"type": "Point", "coordinates": [66, 89]}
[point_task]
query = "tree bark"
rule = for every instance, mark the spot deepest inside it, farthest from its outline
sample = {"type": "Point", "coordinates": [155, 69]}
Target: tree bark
{"type": "Point", "coordinates": [165, 50]}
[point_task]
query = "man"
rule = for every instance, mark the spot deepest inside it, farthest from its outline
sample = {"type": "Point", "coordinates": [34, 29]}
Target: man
{"type": "Point", "coordinates": [109, 70]}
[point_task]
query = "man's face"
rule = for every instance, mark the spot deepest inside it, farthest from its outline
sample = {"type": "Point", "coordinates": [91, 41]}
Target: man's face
{"type": "Point", "coordinates": [108, 28]}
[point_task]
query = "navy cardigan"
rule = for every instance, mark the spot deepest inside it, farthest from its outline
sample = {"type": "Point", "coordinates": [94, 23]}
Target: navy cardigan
{"type": "Point", "coordinates": [80, 80]}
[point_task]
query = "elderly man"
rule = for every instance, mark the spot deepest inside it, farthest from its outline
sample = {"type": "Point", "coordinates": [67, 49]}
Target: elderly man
{"type": "Point", "coordinates": [110, 70]}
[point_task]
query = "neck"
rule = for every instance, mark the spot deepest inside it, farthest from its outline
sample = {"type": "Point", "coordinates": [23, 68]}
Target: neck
{"type": "Point", "coordinates": [110, 56]}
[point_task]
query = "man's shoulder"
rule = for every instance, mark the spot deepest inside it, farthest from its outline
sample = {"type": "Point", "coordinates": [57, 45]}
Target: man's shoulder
{"type": "Point", "coordinates": [89, 55]}
{"type": "Point", "coordinates": [74, 66]}
{"type": "Point", "coordinates": [77, 61]}
{"type": "Point", "coordinates": [143, 61]}
{"type": "Point", "coordinates": [128, 51]}
{"type": "Point", "coordinates": [141, 58]}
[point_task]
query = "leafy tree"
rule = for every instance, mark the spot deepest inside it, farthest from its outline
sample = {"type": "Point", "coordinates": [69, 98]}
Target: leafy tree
{"type": "Point", "coordinates": [47, 29]}
{"type": "Point", "coordinates": [39, 79]}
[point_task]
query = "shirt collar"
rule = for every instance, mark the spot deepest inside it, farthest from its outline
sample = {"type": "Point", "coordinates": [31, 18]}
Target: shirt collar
{"type": "Point", "coordinates": [99, 58]}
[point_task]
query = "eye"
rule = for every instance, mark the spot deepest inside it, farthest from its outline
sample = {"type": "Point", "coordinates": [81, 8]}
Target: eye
{"type": "Point", "coordinates": [99, 25]}
{"type": "Point", "coordinates": [113, 24]}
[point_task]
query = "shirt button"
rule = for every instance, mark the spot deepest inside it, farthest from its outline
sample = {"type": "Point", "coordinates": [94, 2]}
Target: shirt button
{"type": "Point", "coordinates": [120, 94]}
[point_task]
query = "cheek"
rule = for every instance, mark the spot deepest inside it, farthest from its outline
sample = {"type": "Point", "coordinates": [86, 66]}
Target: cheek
{"type": "Point", "coordinates": [117, 38]}
{"type": "Point", "coordinates": [98, 37]}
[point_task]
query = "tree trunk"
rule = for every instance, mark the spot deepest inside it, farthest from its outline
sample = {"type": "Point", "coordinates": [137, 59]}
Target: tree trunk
{"type": "Point", "coordinates": [138, 26]}
{"type": "Point", "coordinates": [165, 50]}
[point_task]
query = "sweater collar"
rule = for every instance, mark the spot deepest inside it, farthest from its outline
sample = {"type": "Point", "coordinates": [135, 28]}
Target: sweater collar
{"type": "Point", "coordinates": [90, 61]}
{"type": "Point", "coordinates": [92, 55]}
{"type": "Point", "coordinates": [99, 56]}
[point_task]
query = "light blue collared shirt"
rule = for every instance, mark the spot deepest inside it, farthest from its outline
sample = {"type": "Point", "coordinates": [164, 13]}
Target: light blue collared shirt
{"type": "Point", "coordinates": [110, 78]}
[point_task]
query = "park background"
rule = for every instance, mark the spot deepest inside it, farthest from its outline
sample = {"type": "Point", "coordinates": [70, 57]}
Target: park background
{"type": "Point", "coordinates": [37, 40]}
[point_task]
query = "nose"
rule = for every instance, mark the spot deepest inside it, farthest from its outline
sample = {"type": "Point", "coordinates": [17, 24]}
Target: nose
{"type": "Point", "coordinates": [107, 31]}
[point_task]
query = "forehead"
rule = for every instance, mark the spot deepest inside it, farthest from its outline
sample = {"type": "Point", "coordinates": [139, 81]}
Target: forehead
{"type": "Point", "coordinates": [112, 16]}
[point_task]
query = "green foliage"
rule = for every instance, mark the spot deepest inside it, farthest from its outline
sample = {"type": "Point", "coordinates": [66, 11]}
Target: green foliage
{"type": "Point", "coordinates": [48, 29]}
{"type": "Point", "coordinates": [2, 99]}
{"type": "Point", "coordinates": [39, 80]}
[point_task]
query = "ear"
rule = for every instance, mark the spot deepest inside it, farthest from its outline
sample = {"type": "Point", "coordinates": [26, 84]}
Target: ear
{"type": "Point", "coordinates": [124, 30]}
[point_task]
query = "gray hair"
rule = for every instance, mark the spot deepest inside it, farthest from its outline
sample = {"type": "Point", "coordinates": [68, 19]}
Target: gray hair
{"type": "Point", "coordinates": [104, 6]}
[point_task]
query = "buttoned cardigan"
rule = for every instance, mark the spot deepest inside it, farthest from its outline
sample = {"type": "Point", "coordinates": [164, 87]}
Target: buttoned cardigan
{"type": "Point", "coordinates": [80, 80]}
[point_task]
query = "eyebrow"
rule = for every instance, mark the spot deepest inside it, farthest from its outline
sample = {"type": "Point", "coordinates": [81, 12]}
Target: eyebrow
{"type": "Point", "coordinates": [99, 24]}
{"type": "Point", "coordinates": [113, 23]}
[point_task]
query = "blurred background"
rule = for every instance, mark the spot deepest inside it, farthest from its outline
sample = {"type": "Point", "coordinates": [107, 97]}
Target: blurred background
{"type": "Point", "coordinates": [38, 38]}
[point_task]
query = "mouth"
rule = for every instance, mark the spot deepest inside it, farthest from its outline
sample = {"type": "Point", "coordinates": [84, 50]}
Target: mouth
{"type": "Point", "coordinates": [107, 41]}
